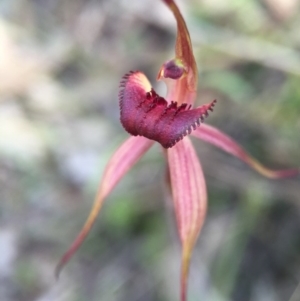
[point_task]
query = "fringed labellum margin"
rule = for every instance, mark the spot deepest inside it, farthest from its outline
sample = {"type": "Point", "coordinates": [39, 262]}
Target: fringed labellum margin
{"type": "Point", "coordinates": [145, 113]}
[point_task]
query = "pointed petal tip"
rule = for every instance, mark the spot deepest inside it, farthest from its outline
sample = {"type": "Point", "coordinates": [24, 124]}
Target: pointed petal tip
{"type": "Point", "coordinates": [223, 141]}
{"type": "Point", "coordinates": [81, 236]}
{"type": "Point", "coordinates": [120, 163]}
{"type": "Point", "coordinates": [190, 201]}
{"type": "Point", "coordinates": [185, 267]}
{"type": "Point", "coordinates": [57, 271]}
{"type": "Point", "coordinates": [74, 247]}
{"type": "Point", "coordinates": [60, 266]}
{"type": "Point", "coordinates": [272, 174]}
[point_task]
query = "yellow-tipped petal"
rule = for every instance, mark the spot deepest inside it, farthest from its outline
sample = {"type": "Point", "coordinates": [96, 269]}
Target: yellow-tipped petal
{"type": "Point", "coordinates": [123, 159]}
{"type": "Point", "coordinates": [219, 139]}
{"type": "Point", "coordinates": [190, 200]}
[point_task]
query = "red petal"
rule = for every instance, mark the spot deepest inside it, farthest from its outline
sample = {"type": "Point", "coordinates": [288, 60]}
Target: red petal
{"type": "Point", "coordinates": [221, 140]}
{"type": "Point", "coordinates": [183, 49]}
{"type": "Point", "coordinates": [147, 114]}
{"type": "Point", "coordinates": [123, 159]}
{"type": "Point", "coordinates": [184, 89]}
{"type": "Point", "coordinates": [190, 198]}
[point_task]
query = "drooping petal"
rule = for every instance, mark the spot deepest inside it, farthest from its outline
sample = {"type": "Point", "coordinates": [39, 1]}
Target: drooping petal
{"type": "Point", "coordinates": [182, 89]}
{"type": "Point", "coordinates": [227, 144]}
{"type": "Point", "coordinates": [123, 159]}
{"type": "Point", "coordinates": [145, 113]}
{"type": "Point", "coordinates": [190, 200]}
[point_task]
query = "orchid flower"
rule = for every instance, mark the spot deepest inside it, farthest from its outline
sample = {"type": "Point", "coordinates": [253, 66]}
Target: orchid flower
{"type": "Point", "coordinates": [148, 117]}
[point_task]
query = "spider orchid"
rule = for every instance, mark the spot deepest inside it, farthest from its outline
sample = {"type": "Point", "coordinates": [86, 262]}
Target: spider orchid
{"type": "Point", "coordinates": [149, 117]}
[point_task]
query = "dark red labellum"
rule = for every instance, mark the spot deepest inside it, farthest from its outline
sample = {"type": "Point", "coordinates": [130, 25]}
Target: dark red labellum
{"type": "Point", "coordinates": [145, 113]}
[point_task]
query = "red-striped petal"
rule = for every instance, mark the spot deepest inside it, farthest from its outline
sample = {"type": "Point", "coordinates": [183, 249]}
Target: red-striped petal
{"type": "Point", "coordinates": [219, 139]}
{"type": "Point", "coordinates": [190, 200]}
{"type": "Point", "coordinates": [123, 159]}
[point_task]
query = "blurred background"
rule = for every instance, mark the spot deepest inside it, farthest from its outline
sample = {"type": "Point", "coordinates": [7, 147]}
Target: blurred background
{"type": "Point", "coordinates": [60, 67]}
